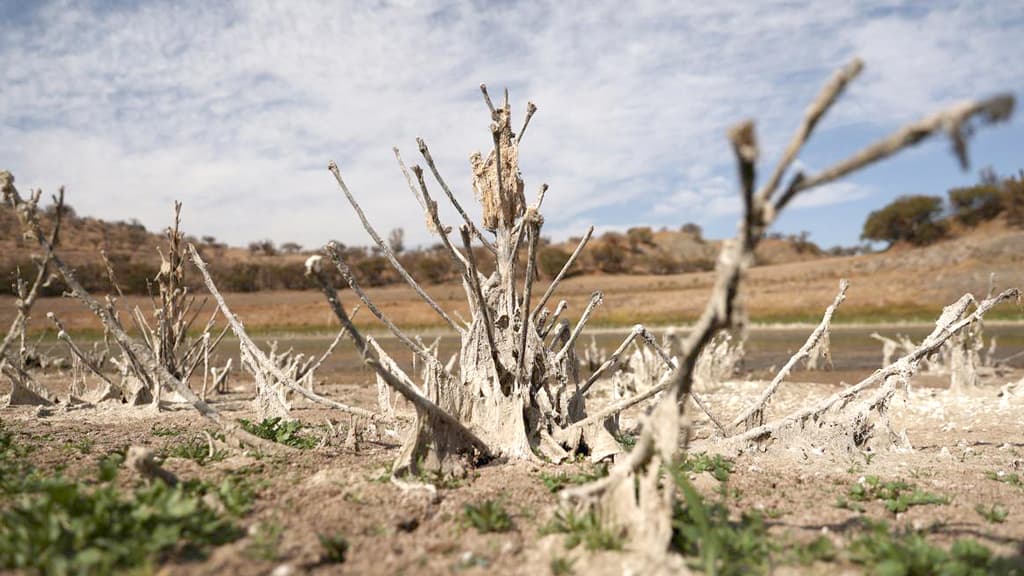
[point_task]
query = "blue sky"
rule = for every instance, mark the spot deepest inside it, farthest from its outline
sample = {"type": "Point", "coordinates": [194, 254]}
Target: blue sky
{"type": "Point", "coordinates": [236, 108]}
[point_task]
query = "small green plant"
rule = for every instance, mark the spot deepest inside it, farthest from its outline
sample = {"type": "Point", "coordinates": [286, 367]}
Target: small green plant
{"type": "Point", "coordinates": [561, 566]}
{"type": "Point", "coordinates": [280, 431]}
{"type": "Point", "coordinates": [558, 481]}
{"type": "Point", "coordinates": [195, 448]}
{"type": "Point", "coordinates": [236, 494]}
{"type": "Point", "coordinates": [898, 496]}
{"type": "Point", "coordinates": [994, 514]}
{"type": "Point", "coordinates": [583, 529]}
{"type": "Point", "coordinates": [821, 549]}
{"type": "Point", "coordinates": [1012, 478]}
{"type": "Point", "coordinates": [703, 532]}
{"type": "Point", "coordinates": [909, 553]}
{"type": "Point", "coordinates": [15, 472]}
{"type": "Point", "coordinates": [842, 502]}
{"type": "Point", "coordinates": [626, 440]}
{"type": "Point", "coordinates": [719, 466]}
{"type": "Point", "coordinates": [58, 526]}
{"type": "Point", "coordinates": [264, 540]}
{"type": "Point", "coordinates": [335, 548]}
{"type": "Point", "coordinates": [158, 430]}
{"type": "Point", "coordinates": [83, 445]}
{"type": "Point", "coordinates": [487, 516]}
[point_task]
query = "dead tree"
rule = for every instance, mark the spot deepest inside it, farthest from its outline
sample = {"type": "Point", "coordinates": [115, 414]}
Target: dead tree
{"type": "Point", "coordinates": [516, 392]}
{"type": "Point", "coordinates": [165, 331]}
{"type": "Point", "coordinates": [140, 356]}
{"type": "Point", "coordinates": [16, 356]}
{"type": "Point", "coordinates": [276, 381]}
{"type": "Point", "coordinates": [633, 498]}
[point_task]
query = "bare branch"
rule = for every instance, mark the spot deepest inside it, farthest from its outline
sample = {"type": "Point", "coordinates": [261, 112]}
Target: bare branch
{"type": "Point", "coordinates": [408, 179]}
{"type": "Point", "coordinates": [561, 273]}
{"type": "Point", "coordinates": [487, 98]}
{"type": "Point", "coordinates": [386, 250]}
{"type": "Point", "coordinates": [595, 300]}
{"type": "Point", "coordinates": [533, 219]}
{"type": "Point", "coordinates": [432, 213]}
{"type": "Point", "coordinates": [754, 416]}
{"type": "Point", "coordinates": [826, 98]}
{"type": "Point", "coordinates": [949, 323]}
{"type": "Point", "coordinates": [531, 108]}
{"type": "Point", "coordinates": [335, 254]}
{"type": "Point", "coordinates": [451, 197]}
{"type": "Point", "coordinates": [62, 335]}
{"type": "Point", "coordinates": [955, 121]}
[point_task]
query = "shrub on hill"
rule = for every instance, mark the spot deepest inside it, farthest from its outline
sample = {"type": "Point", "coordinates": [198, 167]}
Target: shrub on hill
{"type": "Point", "coordinates": [913, 219]}
{"type": "Point", "coordinates": [976, 204]}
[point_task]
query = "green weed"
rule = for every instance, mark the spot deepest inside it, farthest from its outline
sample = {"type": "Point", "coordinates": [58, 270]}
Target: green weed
{"type": "Point", "coordinates": [335, 548]}
{"type": "Point", "coordinates": [196, 448]}
{"type": "Point", "coordinates": [282, 432]}
{"type": "Point", "coordinates": [719, 466]}
{"type": "Point", "coordinates": [561, 566]}
{"type": "Point", "coordinates": [994, 514]}
{"type": "Point", "coordinates": [909, 553]}
{"type": "Point", "coordinates": [898, 496]}
{"type": "Point", "coordinates": [558, 481]}
{"type": "Point", "coordinates": [583, 529]}
{"type": "Point", "coordinates": [264, 541]}
{"type": "Point", "coordinates": [487, 516]}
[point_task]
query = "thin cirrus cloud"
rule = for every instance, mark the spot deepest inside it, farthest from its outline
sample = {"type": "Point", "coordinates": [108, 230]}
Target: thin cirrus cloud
{"type": "Point", "coordinates": [235, 108]}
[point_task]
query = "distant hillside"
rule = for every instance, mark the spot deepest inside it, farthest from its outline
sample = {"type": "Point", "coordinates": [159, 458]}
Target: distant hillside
{"type": "Point", "coordinates": [265, 266]}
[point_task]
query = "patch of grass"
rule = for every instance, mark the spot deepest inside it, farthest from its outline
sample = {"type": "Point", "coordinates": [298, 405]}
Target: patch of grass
{"type": "Point", "coordinates": [1013, 479]}
{"type": "Point", "coordinates": [59, 526]}
{"type": "Point", "coordinates": [994, 514]}
{"type": "Point", "coordinates": [703, 532]}
{"type": "Point", "coordinates": [335, 548]}
{"type": "Point", "coordinates": [15, 472]}
{"type": "Point", "coordinates": [583, 529]}
{"type": "Point", "coordinates": [487, 516]}
{"type": "Point", "coordinates": [196, 448]}
{"type": "Point", "coordinates": [83, 445]}
{"type": "Point", "coordinates": [558, 481]}
{"type": "Point", "coordinates": [160, 431]}
{"type": "Point", "coordinates": [719, 466]}
{"type": "Point", "coordinates": [439, 479]}
{"type": "Point", "coordinates": [264, 541]}
{"type": "Point", "coordinates": [561, 566]}
{"type": "Point", "coordinates": [909, 553]}
{"type": "Point", "coordinates": [821, 549]}
{"type": "Point", "coordinates": [280, 431]}
{"type": "Point", "coordinates": [707, 534]}
{"type": "Point", "coordinates": [842, 502]}
{"type": "Point", "coordinates": [898, 496]}
{"type": "Point", "coordinates": [236, 494]}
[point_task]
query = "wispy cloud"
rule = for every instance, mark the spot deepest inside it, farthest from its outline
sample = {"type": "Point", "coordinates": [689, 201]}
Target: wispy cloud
{"type": "Point", "coordinates": [236, 108]}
